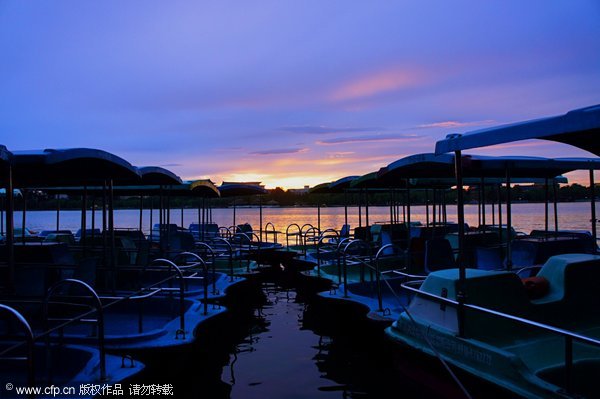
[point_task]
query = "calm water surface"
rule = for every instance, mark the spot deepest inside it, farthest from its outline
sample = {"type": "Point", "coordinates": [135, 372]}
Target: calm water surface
{"type": "Point", "coordinates": [526, 217]}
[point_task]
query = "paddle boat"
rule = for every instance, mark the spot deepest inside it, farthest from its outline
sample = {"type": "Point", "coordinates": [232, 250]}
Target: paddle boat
{"type": "Point", "coordinates": [538, 338]}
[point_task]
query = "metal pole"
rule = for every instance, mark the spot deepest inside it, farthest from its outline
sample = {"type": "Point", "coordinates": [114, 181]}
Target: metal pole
{"type": "Point", "coordinates": [461, 295]}
{"type": "Point", "coordinates": [593, 204]}
{"type": "Point", "coordinates": [555, 206]}
{"type": "Point", "coordinates": [151, 217]}
{"type": "Point", "coordinates": [508, 222]}
{"type": "Point", "coordinates": [546, 202]}
{"type": "Point", "coordinates": [500, 210]}
{"type": "Point", "coordinates": [260, 216]}
{"type": "Point", "coordinates": [346, 207]}
{"type": "Point", "coordinates": [319, 216]}
{"type": "Point", "coordinates": [93, 218]}
{"type": "Point", "coordinates": [233, 214]}
{"type": "Point", "coordinates": [141, 212]}
{"type": "Point", "coordinates": [367, 208]}
{"type": "Point", "coordinates": [483, 221]}
{"type": "Point", "coordinates": [57, 213]}
{"type": "Point", "coordinates": [359, 211]}
{"type": "Point", "coordinates": [104, 225]}
{"type": "Point", "coordinates": [200, 216]}
{"type": "Point", "coordinates": [391, 207]}
{"type": "Point", "coordinates": [408, 208]}
{"type": "Point", "coordinates": [111, 228]}
{"type": "Point", "coordinates": [10, 230]}
{"type": "Point", "coordinates": [427, 207]}
{"type": "Point", "coordinates": [83, 238]}
{"type": "Point", "coordinates": [23, 215]}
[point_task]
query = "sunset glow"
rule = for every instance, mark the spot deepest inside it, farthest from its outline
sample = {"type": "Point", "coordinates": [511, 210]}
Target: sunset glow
{"type": "Point", "coordinates": [288, 93]}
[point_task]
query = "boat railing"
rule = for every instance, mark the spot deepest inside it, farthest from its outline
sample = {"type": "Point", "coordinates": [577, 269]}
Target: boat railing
{"type": "Point", "coordinates": [271, 231]}
{"type": "Point", "coordinates": [239, 239]}
{"type": "Point", "coordinates": [296, 234]}
{"type": "Point", "coordinates": [311, 235]}
{"type": "Point", "coordinates": [98, 310]}
{"type": "Point", "coordinates": [382, 252]}
{"type": "Point", "coordinates": [229, 251]}
{"type": "Point", "coordinates": [198, 260]}
{"type": "Point", "coordinates": [568, 336]}
{"type": "Point", "coordinates": [330, 234]}
{"type": "Point", "coordinates": [226, 232]}
{"type": "Point", "coordinates": [179, 276]}
{"type": "Point", "coordinates": [359, 245]}
{"type": "Point", "coordinates": [8, 312]}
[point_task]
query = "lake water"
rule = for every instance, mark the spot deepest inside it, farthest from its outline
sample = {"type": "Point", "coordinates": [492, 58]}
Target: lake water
{"type": "Point", "coordinates": [525, 217]}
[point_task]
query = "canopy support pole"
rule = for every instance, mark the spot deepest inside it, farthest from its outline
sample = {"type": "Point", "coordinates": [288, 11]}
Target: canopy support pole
{"type": "Point", "coordinates": [10, 231]}
{"type": "Point", "coordinates": [593, 204]}
{"type": "Point", "coordinates": [461, 295]}
{"type": "Point", "coordinates": [508, 222]}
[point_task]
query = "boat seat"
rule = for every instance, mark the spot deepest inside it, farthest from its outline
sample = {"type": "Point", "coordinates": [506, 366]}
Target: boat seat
{"type": "Point", "coordinates": [574, 279]}
{"type": "Point", "coordinates": [438, 255]}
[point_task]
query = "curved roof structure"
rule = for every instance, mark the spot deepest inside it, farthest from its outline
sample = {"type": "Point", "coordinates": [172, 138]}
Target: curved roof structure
{"type": "Point", "coordinates": [156, 175]}
{"type": "Point", "coordinates": [204, 188]}
{"type": "Point", "coordinates": [70, 167]}
{"type": "Point", "coordinates": [341, 184]}
{"type": "Point", "coordinates": [431, 166]}
{"type": "Point", "coordinates": [231, 189]}
{"type": "Point", "coordinates": [579, 128]}
{"type": "Point", "coordinates": [322, 188]}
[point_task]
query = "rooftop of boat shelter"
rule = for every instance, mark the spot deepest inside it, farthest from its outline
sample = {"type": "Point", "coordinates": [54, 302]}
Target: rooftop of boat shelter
{"type": "Point", "coordinates": [573, 128]}
{"type": "Point", "coordinates": [70, 167]}
{"type": "Point", "coordinates": [238, 189]}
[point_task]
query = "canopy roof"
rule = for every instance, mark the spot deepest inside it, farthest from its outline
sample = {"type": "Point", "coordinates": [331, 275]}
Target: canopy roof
{"type": "Point", "coordinates": [579, 128]}
{"type": "Point", "coordinates": [204, 188]}
{"type": "Point", "coordinates": [342, 184]}
{"type": "Point", "coordinates": [430, 166]}
{"type": "Point", "coordinates": [233, 189]}
{"type": "Point", "coordinates": [366, 181]}
{"type": "Point", "coordinates": [322, 188]}
{"type": "Point", "coordinates": [155, 175]}
{"type": "Point", "coordinates": [70, 167]}
{"type": "Point", "coordinates": [448, 182]}
{"type": "Point", "coordinates": [418, 165]}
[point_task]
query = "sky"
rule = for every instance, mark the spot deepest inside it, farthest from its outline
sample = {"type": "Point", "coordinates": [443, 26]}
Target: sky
{"type": "Point", "coordinates": [290, 93]}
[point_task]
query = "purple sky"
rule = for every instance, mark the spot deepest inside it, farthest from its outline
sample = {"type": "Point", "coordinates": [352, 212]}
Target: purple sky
{"type": "Point", "coordinates": [288, 92]}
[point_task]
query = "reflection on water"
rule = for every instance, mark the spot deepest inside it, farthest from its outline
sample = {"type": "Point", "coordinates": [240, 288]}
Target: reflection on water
{"type": "Point", "coordinates": [283, 357]}
{"type": "Point", "coordinates": [526, 217]}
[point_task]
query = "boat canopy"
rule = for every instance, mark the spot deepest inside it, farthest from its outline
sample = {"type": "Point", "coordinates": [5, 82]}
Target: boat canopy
{"type": "Point", "coordinates": [525, 167]}
{"type": "Point", "coordinates": [322, 188]}
{"type": "Point", "coordinates": [70, 167]}
{"type": "Point", "coordinates": [341, 184]}
{"type": "Point", "coordinates": [233, 189]}
{"type": "Point", "coordinates": [156, 175]}
{"type": "Point", "coordinates": [448, 182]}
{"type": "Point", "coordinates": [366, 181]}
{"type": "Point", "coordinates": [418, 165]}
{"type": "Point", "coordinates": [204, 188]}
{"type": "Point", "coordinates": [579, 128]}
{"type": "Point", "coordinates": [431, 166]}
